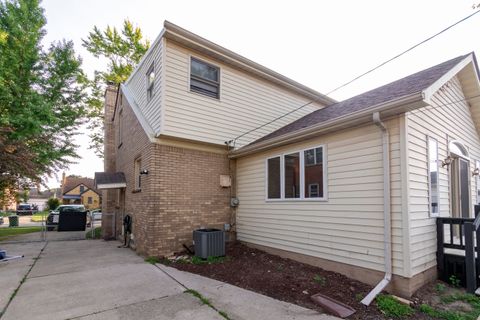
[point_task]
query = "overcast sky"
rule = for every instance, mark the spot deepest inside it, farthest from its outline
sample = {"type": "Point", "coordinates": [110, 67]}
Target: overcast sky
{"type": "Point", "coordinates": [321, 44]}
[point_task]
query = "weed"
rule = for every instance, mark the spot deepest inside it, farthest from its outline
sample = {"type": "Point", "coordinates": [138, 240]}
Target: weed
{"type": "Point", "coordinates": [209, 260]}
{"type": "Point", "coordinates": [440, 287]}
{"type": "Point", "coordinates": [97, 233]}
{"type": "Point", "coordinates": [471, 299]}
{"type": "Point", "coordinates": [454, 281]}
{"type": "Point", "coordinates": [152, 260]}
{"type": "Point", "coordinates": [443, 314]}
{"type": "Point", "coordinates": [359, 296]}
{"type": "Point", "coordinates": [207, 302]}
{"type": "Point", "coordinates": [392, 307]}
{"type": "Point", "coordinates": [320, 280]}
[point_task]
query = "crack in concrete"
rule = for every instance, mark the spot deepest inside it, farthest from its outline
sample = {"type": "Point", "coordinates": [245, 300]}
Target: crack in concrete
{"type": "Point", "coordinates": [117, 307]}
{"type": "Point", "coordinates": [25, 277]}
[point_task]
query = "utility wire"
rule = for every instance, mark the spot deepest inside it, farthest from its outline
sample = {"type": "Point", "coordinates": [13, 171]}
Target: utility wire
{"type": "Point", "coordinates": [234, 140]}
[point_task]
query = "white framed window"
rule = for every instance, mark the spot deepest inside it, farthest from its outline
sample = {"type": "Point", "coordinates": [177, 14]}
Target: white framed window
{"type": "Point", "coordinates": [204, 78]}
{"type": "Point", "coordinates": [433, 177]}
{"type": "Point", "coordinates": [150, 82]}
{"type": "Point", "coordinates": [299, 175]}
{"type": "Point", "coordinates": [138, 177]}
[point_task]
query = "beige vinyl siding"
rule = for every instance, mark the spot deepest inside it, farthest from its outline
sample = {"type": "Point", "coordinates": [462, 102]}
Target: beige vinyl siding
{"type": "Point", "coordinates": [137, 85]}
{"type": "Point", "coordinates": [245, 102]}
{"type": "Point", "coordinates": [348, 227]}
{"type": "Point", "coordinates": [445, 119]}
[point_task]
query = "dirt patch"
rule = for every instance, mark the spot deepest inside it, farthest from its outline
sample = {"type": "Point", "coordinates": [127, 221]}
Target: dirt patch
{"type": "Point", "coordinates": [286, 280]}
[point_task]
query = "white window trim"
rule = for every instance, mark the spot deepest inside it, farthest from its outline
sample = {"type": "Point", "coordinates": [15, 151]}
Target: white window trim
{"type": "Point", "coordinates": [302, 176]}
{"type": "Point", "coordinates": [430, 211]}
{"type": "Point", "coordinates": [219, 98]}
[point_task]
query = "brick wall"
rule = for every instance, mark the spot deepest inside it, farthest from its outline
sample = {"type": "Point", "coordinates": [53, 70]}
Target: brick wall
{"type": "Point", "coordinates": [180, 193]}
{"type": "Point", "coordinates": [108, 196]}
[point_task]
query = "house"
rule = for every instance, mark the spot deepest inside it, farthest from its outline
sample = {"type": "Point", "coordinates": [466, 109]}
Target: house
{"type": "Point", "coordinates": [80, 190]}
{"type": "Point", "coordinates": [352, 186]}
{"type": "Point", "coordinates": [40, 198]}
{"type": "Point", "coordinates": [166, 128]}
{"type": "Point", "coordinates": [356, 187]}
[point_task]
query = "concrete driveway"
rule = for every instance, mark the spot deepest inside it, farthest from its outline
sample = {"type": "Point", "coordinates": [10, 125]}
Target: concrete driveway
{"type": "Point", "coordinates": [93, 279]}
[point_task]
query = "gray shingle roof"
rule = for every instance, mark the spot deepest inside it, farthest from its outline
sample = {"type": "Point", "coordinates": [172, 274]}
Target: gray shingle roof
{"type": "Point", "coordinates": [414, 83]}
{"type": "Point", "coordinates": [109, 178]}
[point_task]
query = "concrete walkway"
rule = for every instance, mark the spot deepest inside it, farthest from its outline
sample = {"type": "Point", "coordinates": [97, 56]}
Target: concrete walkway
{"type": "Point", "coordinates": [93, 279]}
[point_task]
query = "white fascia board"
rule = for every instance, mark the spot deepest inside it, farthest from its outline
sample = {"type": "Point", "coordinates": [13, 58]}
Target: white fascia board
{"type": "Point", "coordinates": [349, 120]}
{"type": "Point", "coordinates": [430, 91]}
{"type": "Point", "coordinates": [138, 113]}
{"type": "Point", "coordinates": [111, 186]}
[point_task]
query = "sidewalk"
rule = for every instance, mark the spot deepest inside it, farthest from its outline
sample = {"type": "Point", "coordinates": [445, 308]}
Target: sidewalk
{"type": "Point", "coordinates": [95, 280]}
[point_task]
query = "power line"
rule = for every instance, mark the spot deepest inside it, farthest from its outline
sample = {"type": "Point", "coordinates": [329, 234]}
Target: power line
{"type": "Point", "coordinates": [402, 53]}
{"type": "Point", "coordinates": [234, 140]}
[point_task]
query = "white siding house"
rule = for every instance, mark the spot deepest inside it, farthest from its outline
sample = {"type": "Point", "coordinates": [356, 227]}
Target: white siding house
{"type": "Point", "coordinates": [358, 214]}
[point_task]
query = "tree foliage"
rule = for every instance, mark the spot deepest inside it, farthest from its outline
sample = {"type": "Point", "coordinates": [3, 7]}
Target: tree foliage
{"type": "Point", "coordinates": [41, 95]}
{"type": "Point", "coordinates": [123, 51]}
{"type": "Point", "coordinates": [53, 203]}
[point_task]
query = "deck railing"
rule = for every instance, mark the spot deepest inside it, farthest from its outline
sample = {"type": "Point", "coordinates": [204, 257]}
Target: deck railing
{"type": "Point", "coordinates": [464, 235]}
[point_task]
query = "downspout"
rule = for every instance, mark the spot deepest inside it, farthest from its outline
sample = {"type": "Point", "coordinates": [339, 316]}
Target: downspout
{"type": "Point", "coordinates": [387, 229]}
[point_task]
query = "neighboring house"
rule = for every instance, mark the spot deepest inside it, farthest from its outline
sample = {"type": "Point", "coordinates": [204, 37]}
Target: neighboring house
{"type": "Point", "coordinates": [80, 190]}
{"type": "Point", "coordinates": [352, 186]}
{"type": "Point", "coordinates": [40, 198]}
{"type": "Point", "coordinates": [341, 185]}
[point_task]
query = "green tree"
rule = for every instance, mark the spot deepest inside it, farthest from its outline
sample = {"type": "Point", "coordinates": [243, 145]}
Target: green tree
{"type": "Point", "coordinates": [53, 203]}
{"type": "Point", "coordinates": [123, 51]}
{"type": "Point", "coordinates": [41, 96]}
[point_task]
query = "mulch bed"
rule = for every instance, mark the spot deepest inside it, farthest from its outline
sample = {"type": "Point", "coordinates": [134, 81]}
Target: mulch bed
{"type": "Point", "coordinates": [286, 280]}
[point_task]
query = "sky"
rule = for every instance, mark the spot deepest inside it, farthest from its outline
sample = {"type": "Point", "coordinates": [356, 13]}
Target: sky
{"type": "Point", "coordinates": [321, 44]}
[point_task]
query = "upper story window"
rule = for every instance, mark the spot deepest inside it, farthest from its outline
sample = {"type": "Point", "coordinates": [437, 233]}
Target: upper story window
{"type": "Point", "coordinates": [150, 82]}
{"type": "Point", "coordinates": [82, 188]}
{"type": "Point", "coordinates": [297, 175]}
{"type": "Point", "coordinates": [204, 78]}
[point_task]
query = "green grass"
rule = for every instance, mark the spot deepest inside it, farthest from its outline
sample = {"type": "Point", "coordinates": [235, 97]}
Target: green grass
{"type": "Point", "coordinates": [392, 307]}
{"type": "Point", "coordinates": [209, 260]}
{"type": "Point", "coordinates": [207, 302]}
{"type": "Point", "coordinates": [153, 260]}
{"type": "Point", "coordinates": [39, 216]}
{"type": "Point", "coordinates": [15, 231]}
{"type": "Point", "coordinates": [97, 233]}
{"type": "Point", "coordinates": [471, 299]}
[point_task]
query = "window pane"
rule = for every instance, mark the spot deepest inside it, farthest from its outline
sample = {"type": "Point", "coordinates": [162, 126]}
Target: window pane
{"type": "Point", "coordinates": [203, 70]}
{"type": "Point", "coordinates": [292, 175]}
{"type": "Point", "coordinates": [433, 174]}
{"type": "Point", "coordinates": [310, 157]}
{"type": "Point", "coordinates": [314, 174]}
{"type": "Point", "coordinates": [274, 178]}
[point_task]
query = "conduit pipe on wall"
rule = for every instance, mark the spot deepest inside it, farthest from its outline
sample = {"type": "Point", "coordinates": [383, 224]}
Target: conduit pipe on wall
{"type": "Point", "coordinates": [387, 229]}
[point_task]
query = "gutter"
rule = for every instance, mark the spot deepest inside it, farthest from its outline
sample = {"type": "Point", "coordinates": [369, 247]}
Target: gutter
{"type": "Point", "coordinates": [387, 224]}
{"type": "Point", "coordinates": [347, 120]}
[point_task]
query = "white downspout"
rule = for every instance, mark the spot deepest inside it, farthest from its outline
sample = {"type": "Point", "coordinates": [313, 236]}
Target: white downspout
{"type": "Point", "coordinates": [387, 229]}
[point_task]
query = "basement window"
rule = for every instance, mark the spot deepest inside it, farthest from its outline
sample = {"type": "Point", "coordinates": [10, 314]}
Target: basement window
{"type": "Point", "coordinates": [204, 78]}
{"type": "Point", "coordinates": [299, 175]}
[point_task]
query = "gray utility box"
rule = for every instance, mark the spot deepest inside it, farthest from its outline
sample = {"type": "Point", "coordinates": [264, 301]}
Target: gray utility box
{"type": "Point", "coordinates": [209, 243]}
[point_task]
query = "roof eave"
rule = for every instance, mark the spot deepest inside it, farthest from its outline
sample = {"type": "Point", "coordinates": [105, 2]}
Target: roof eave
{"type": "Point", "coordinates": [176, 33]}
{"type": "Point", "coordinates": [356, 118]}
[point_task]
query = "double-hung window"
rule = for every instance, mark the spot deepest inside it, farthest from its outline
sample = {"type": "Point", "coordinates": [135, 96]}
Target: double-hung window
{"type": "Point", "coordinates": [297, 175]}
{"type": "Point", "coordinates": [204, 78]}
